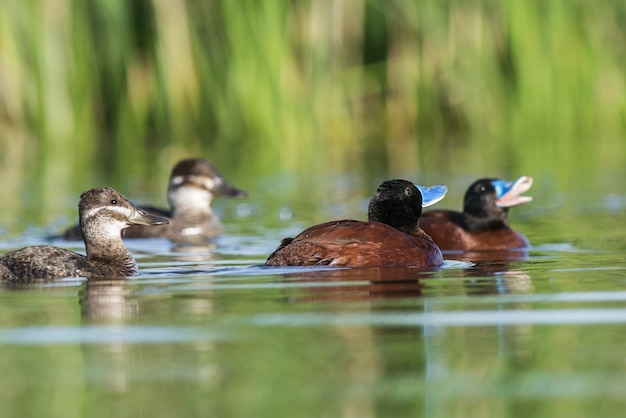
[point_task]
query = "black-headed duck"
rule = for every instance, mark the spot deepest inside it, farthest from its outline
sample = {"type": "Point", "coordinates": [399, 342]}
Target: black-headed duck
{"type": "Point", "coordinates": [391, 236]}
{"type": "Point", "coordinates": [483, 224]}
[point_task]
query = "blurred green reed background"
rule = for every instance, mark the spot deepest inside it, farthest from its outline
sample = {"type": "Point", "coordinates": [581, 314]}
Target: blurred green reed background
{"type": "Point", "coordinates": [117, 91]}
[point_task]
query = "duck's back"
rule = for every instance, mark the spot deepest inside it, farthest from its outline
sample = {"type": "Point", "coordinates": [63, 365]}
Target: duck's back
{"type": "Point", "coordinates": [450, 232]}
{"type": "Point", "coordinates": [356, 244]}
{"type": "Point", "coordinates": [42, 262]}
{"type": "Point", "coordinates": [45, 262]}
{"type": "Point", "coordinates": [446, 227]}
{"type": "Point", "coordinates": [194, 227]}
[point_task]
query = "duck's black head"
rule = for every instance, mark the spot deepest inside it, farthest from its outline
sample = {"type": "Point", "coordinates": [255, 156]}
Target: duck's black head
{"type": "Point", "coordinates": [399, 203]}
{"type": "Point", "coordinates": [488, 200]}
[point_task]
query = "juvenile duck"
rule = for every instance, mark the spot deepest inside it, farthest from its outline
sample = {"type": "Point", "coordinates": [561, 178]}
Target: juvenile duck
{"type": "Point", "coordinates": [483, 224]}
{"type": "Point", "coordinates": [103, 214]}
{"type": "Point", "coordinates": [391, 237]}
{"type": "Point", "coordinates": [193, 184]}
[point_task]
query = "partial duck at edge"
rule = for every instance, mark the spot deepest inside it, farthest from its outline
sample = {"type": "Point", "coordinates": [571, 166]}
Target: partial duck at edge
{"type": "Point", "coordinates": [103, 214]}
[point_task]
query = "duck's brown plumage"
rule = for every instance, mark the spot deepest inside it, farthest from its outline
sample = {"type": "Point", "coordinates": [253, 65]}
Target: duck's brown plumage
{"type": "Point", "coordinates": [483, 224]}
{"type": "Point", "coordinates": [398, 241]}
{"type": "Point", "coordinates": [447, 229]}
{"type": "Point", "coordinates": [356, 243]}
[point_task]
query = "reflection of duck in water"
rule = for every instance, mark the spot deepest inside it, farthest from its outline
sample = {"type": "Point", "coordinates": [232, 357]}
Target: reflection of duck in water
{"type": "Point", "coordinates": [112, 362]}
{"type": "Point", "coordinates": [391, 237]}
{"type": "Point", "coordinates": [107, 300]}
{"type": "Point", "coordinates": [193, 185]}
{"type": "Point", "coordinates": [366, 283]}
{"type": "Point", "coordinates": [495, 272]}
{"type": "Point", "coordinates": [483, 223]}
{"type": "Point", "coordinates": [104, 214]}
{"type": "Point", "coordinates": [192, 252]}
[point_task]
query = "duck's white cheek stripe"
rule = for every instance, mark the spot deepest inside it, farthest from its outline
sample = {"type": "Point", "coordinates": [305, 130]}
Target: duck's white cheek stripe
{"type": "Point", "coordinates": [210, 184]}
{"type": "Point", "coordinates": [177, 180]}
{"type": "Point", "coordinates": [121, 210]}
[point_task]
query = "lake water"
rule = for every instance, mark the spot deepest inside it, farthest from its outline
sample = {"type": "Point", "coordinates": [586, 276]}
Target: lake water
{"type": "Point", "coordinates": [208, 331]}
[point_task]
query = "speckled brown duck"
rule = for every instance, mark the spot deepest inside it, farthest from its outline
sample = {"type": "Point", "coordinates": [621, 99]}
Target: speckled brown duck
{"type": "Point", "coordinates": [193, 184]}
{"type": "Point", "coordinates": [103, 214]}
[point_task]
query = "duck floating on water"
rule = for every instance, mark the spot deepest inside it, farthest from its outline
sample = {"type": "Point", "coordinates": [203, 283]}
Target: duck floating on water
{"type": "Point", "coordinates": [193, 184]}
{"type": "Point", "coordinates": [103, 214]}
{"type": "Point", "coordinates": [483, 224]}
{"type": "Point", "coordinates": [391, 236]}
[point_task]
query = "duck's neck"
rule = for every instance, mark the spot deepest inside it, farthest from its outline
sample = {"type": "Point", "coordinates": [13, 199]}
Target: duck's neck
{"type": "Point", "coordinates": [483, 223]}
{"type": "Point", "coordinates": [113, 253]}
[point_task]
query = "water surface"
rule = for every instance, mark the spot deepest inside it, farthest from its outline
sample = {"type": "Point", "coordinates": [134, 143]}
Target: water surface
{"type": "Point", "coordinates": [209, 331]}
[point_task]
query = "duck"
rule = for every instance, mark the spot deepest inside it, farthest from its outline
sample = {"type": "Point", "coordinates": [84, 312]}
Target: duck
{"type": "Point", "coordinates": [193, 184]}
{"type": "Point", "coordinates": [483, 224]}
{"type": "Point", "coordinates": [391, 237]}
{"type": "Point", "coordinates": [103, 214]}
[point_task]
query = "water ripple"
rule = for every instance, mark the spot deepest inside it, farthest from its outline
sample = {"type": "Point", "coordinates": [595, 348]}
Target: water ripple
{"type": "Point", "coordinates": [105, 335]}
{"type": "Point", "coordinates": [452, 319]}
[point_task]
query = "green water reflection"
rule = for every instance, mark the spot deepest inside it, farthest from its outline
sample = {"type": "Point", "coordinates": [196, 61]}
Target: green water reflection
{"type": "Point", "coordinates": [537, 335]}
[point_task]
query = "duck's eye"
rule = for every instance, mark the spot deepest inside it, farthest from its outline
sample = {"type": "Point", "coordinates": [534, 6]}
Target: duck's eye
{"type": "Point", "coordinates": [483, 188]}
{"type": "Point", "coordinates": [408, 191]}
{"type": "Point", "coordinates": [114, 202]}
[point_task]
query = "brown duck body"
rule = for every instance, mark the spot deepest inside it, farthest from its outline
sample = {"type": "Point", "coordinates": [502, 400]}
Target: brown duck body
{"type": "Point", "coordinates": [390, 238]}
{"type": "Point", "coordinates": [353, 243]}
{"type": "Point", "coordinates": [449, 230]}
